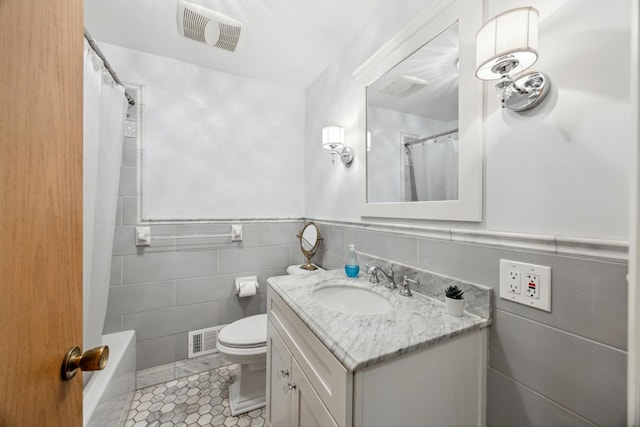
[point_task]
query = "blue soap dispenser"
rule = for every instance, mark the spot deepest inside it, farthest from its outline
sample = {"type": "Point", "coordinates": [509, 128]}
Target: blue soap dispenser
{"type": "Point", "coordinates": [351, 268]}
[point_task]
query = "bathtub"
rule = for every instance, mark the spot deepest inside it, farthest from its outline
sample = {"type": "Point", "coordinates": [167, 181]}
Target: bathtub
{"type": "Point", "coordinates": [108, 393]}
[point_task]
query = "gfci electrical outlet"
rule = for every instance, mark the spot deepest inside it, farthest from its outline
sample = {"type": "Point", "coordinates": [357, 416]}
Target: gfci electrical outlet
{"type": "Point", "coordinates": [532, 285]}
{"type": "Point", "coordinates": [527, 284]}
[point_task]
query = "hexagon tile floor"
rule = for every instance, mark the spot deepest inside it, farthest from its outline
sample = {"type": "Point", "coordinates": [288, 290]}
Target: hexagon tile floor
{"type": "Point", "coordinates": [198, 400]}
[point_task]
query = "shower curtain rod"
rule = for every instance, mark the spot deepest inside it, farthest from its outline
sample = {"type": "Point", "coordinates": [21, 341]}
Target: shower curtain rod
{"type": "Point", "coordinates": [417, 141]}
{"type": "Point", "coordinates": [98, 52]}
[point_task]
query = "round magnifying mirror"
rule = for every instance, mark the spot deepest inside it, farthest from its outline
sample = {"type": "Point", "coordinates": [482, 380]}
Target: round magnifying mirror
{"type": "Point", "coordinates": [310, 239]}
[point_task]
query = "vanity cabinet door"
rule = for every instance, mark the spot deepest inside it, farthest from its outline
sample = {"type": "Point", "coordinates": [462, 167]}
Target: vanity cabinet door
{"type": "Point", "coordinates": [329, 378]}
{"type": "Point", "coordinates": [278, 380]}
{"type": "Point", "coordinates": [307, 409]}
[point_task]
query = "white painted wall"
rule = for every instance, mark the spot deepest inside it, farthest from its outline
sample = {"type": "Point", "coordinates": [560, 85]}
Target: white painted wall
{"type": "Point", "coordinates": [561, 169]}
{"type": "Point", "coordinates": [217, 145]}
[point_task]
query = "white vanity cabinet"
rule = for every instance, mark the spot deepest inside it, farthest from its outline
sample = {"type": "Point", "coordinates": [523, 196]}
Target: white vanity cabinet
{"type": "Point", "coordinates": [441, 385]}
{"type": "Point", "coordinates": [306, 385]}
{"type": "Point", "coordinates": [293, 401]}
{"type": "Point", "coordinates": [307, 409]}
{"type": "Point", "coordinates": [280, 382]}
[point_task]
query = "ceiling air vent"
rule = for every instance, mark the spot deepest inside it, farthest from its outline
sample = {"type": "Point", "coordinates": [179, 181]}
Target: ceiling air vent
{"type": "Point", "coordinates": [209, 27]}
{"type": "Point", "coordinates": [403, 86]}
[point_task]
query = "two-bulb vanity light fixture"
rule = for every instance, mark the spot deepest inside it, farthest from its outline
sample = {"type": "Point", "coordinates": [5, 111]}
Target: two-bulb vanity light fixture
{"type": "Point", "coordinates": [333, 139]}
{"type": "Point", "coordinates": [505, 46]}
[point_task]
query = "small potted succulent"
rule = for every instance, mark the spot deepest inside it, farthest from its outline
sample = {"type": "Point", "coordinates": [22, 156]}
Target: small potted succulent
{"type": "Point", "coordinates": [454, 300]}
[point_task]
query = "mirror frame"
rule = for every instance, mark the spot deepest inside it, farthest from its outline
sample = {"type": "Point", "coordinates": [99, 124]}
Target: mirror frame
{"type": "Point", "coordinates": [308, 254]}
{"type": "Point", "coordinates": [439, 16]}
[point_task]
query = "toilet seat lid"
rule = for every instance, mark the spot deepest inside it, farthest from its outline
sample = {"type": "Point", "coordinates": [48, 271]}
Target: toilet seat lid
{"type": "Point", "coordinates": [247, 332]}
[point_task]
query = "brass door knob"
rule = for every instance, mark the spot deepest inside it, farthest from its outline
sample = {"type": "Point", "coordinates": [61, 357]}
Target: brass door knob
{"type": "Point", "coordinates": [91, 360]}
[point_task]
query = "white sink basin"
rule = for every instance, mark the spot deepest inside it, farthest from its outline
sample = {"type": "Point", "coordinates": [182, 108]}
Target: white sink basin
{"type": "Point", "coordinates": [351, 300]}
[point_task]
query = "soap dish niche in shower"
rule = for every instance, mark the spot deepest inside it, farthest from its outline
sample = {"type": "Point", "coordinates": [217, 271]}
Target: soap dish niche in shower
{"type": "Point", "coordinates": [131, 128]}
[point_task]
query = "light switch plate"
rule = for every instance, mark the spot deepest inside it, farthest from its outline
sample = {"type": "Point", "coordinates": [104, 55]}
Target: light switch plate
{"type": "Point", "coordinates": [534, 289]}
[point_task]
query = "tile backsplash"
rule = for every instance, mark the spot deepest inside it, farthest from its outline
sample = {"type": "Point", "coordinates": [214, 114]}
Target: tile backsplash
{"type": "Point", "coordinates": [477, 298]}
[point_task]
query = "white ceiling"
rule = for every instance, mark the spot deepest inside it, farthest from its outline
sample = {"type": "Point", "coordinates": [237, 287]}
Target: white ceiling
{"type": "Point", "coordinates": [288, 42]}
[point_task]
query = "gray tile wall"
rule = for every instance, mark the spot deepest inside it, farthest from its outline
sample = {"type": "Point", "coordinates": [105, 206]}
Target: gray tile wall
{"type": "Point", "coordinates": [567, 367]}
{"type": "Point", "coordinates": [564, 368]}
{"type": "Point", "coordinates": [164, 291]}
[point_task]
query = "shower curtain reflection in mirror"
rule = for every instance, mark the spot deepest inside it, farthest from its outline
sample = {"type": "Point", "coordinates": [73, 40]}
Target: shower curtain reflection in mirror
{"type": "Point", "coordinates": [430, 167]}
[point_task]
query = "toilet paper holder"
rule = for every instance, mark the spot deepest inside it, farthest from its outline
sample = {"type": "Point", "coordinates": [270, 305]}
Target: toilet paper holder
{"type": "Point", "coordinates": [246, 286]}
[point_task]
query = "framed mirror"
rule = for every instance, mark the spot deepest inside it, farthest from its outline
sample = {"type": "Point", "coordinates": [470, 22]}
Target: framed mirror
{"type": "Point", "coordinates": [423, 119]}
{"type": "Point", "coordinates": [309, 238]}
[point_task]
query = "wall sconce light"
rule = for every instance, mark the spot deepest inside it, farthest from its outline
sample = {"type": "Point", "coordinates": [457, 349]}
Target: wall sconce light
{"type": "Point", "coordinates": [507, 45]}
{"type": "Point", "coordinates": [333, 139]}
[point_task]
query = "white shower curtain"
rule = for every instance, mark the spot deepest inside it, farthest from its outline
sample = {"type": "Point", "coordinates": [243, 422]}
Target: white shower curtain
{"type": "Point", "coordinates": [105, 109]}
{"type": "Point", "coordinates": [436, 168]}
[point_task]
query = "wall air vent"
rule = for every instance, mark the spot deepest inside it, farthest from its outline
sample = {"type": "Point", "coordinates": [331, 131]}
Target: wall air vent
{"type": "Point", "coordinates": [203, 341]}
{"type": "Point", "coordinates": [209, 27]}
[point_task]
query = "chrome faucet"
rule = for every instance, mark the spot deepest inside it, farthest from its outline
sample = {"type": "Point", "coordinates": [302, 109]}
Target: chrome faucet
{"type": "Point", "coordinates": [373, 278]}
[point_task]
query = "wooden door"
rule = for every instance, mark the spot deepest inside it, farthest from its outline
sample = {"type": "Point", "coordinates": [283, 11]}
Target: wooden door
{"type": "Point", "coordinates": [41, 45]}
{"type": "Point", "coordinates": [633, 360]}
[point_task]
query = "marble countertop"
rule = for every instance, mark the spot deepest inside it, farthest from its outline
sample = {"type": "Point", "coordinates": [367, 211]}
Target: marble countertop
{"type": "Point", "coordinates": [358, 341]}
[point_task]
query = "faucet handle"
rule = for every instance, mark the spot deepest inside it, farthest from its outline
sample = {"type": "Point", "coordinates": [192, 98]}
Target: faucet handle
{"type": "Point", "coordinates": [406, 291]}
{"type": "Point", "coordinates": [373, 271]}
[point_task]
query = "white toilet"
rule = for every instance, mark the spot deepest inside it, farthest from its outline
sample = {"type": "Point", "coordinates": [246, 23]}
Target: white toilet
{"type": "Point", "coordinates": [244, 342]}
